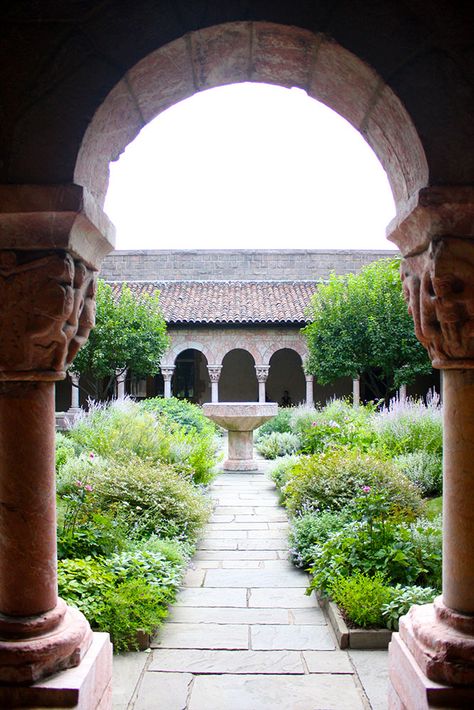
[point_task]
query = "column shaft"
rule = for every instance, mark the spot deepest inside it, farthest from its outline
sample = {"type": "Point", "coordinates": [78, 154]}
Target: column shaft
{"type": "Point", "coordinates": [309, 390]}
{"type": "Point", "coordinates": [27, 495]}
{"type": "Point", "coordinates": [458, 490]}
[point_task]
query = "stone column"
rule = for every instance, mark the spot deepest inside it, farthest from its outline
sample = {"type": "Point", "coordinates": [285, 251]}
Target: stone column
{"type": "Point", "coordinates": [309, 390]}
{"type": "Point", "coordinates": [356, 391]}
{"type": "Point", "coordinates": [167, 373]}
{"type": "Point", "coordinates": [120, 378]}
{"type": "Point", "coordinates": [75, 379]}
{"type": "Point", "coordinates": [262, 376]}
{"type": "Point", "coordinates": [431, 659]}
{"type": "Point", "coordinates": [48, 270]}
{"type": "Point", "coordinates": [214, 375]}
{"type": "Point", "coordinates": [402, 393]}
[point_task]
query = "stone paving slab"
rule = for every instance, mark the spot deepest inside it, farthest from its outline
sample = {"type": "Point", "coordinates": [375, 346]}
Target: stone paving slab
{"type": "Point", "coordinates": [324, 662]}
{"type": "Point", "coordinates": [231, 578]}
{"type": "Point", "coordinates": [198, 596]}
{"type": "Point", "coordinates": [230, 615]}
{"type": "Point", "coordinates": [295, 637]}
{"type": "Point", "coordinates": [266, 544]}
{"type": "Point", "coordinates": [225, 636]}
{"type": "Point", "coordinates": [237, 526]}
{"type": "Point", "coordinates": [281, 692]}
{"type": "Point", "coordinates": [293, 598]}
{"type": "Point", "coordinates": [236, 555]}
{"type": "Point", "coordinates": [228, 662]}
{"type": "Point", "coordinates": [126, 671]}
{"type": "Point", "coordinates": [164, 691]}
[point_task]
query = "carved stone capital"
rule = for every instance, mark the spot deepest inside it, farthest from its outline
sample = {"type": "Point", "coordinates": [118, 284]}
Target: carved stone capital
{"type": "Point", "coordinates": [167, 373]}
{"type": "Point", "coordinates": [47, 310]}
{"type": "Point", "coordinates": [262, 372]}
{"type": "Point", "coordinates": [214, 372]}
{"type": "Point", "coordinates": [439, 288]}
{"type": "Point", "coordinates": [434, 212]}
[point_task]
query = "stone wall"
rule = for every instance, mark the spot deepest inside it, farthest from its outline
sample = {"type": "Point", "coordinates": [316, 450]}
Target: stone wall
{"type": "Point", "coordinates": [225, 265]}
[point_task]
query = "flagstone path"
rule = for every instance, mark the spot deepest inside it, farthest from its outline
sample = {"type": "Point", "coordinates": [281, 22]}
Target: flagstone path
{"type": "Point", "coordinates": [243, 635]}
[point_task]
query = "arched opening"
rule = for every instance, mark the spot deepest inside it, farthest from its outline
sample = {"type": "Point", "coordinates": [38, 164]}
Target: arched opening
{"type": "Point", "coordinates": [286, 378]}
{"type": "Point", "coordinates": [191, 378]}
{"type": "Point", "coordinates": [238, 381]}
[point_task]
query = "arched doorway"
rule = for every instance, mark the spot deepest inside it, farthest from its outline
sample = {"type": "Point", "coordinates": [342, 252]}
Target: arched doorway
{"type": "Point", "coordinates": [238, 380]}
{"type": "Point", "coordinates": [286, 375]}
{"type": "Point", "coordinates": [191, 379]}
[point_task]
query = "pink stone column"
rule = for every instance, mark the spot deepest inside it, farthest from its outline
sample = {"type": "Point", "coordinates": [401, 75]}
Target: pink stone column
{"type": "Point", "coordinates": [47, 308]}
{"type": "Point", "coordinates": [309, 391]}
{"type": "Point", "coordinates": [431, 658]}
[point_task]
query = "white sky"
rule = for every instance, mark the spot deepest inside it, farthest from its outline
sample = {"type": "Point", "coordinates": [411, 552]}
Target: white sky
{"type": "Point", "coordinates": [249, 166]}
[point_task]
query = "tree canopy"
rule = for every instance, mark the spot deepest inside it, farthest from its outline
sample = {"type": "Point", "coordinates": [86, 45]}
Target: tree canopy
{"type": "Point", "coordinates": [130, 333]}
{"type": "Point", "coordinates": [360, 327]}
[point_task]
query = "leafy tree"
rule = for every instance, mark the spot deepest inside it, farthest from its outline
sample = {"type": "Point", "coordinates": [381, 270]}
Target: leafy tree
{"type": "Point", "coordinates": [360, 327]}
{"type": "Point", "coordinates": [130, 333]}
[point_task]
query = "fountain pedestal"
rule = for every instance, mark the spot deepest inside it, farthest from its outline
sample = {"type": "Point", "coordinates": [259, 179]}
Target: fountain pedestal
{"type": "Point", "coordinates": [240, 419]}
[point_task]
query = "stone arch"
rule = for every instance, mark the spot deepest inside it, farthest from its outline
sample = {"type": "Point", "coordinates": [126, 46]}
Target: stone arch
{"type": "Point", "coordinates": [170, 356]}
{"type": "Point", "coordinates": [286, 375]}
{"type": "Point", "coordinates": [238, 379]}
{"type": "Point", "coordinates": [259, 52]}
{"type": "Point", "coordinates": [297, 344]}
{"type": "Point", "coordinates": [236, 342]}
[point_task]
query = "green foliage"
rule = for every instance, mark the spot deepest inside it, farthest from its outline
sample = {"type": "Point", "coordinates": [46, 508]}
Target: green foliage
{"type": "Point", "coordinates": [149, 498]}
{"type": "Point", "coordinates": [186, 414]}
{"type": "Point", "coordinates": [423, 469]}
{"type": "Point", "coordinates": [311, 529]}
{"type": "Point", "coordinates": [278, 444]}
{"type": "Point", "coordinates": [331, 480]}
{"type": "Point", "coordinates": [433, 509]}
{"type": "Point", "coordinates": [65, 450]}
{"type": "Point", "coordinates": [404, 553]}
{"type": "Point", "coordinates": [124, 429]}
{"type": "Point", "coordinates": [336, 424]}
{"type": "Point", "coordinates": [84, 584]}
{"type": "Point", "coordinates": [405, 427]}
{"type": "Point", "coordinates": [360, 326]}
{"type": "Point", "coordinates": [130, 333]}
{"type": "Point", "coordinates": [281, 423]}
{"type": "Point", "coordinates": [402, 599]}
{"type": "Point", "coordinates": [280, 472]}
{"type": "Point", "coordinates": [361, 597]}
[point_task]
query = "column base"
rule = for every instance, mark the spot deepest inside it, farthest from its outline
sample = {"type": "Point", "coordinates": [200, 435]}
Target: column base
{"type": "Point", "coordinates": [240, 465]}
{"type": "Point", "coordinates": [32, 648]}
{"type": "Point", "coordinates": [88, 686]}
{"type": "Point", "coordinates": [411, 689]}
{"type": "Point", "coordinates": [441, 641]}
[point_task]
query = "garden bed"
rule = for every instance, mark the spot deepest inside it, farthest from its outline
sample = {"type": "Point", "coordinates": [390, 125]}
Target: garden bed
{"type": "Point", "coordinates": [368, 639]}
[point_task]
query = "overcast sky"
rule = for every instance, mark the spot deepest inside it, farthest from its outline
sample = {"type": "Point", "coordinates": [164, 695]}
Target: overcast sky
{"type": "Point", "coordinates": [249, 166]}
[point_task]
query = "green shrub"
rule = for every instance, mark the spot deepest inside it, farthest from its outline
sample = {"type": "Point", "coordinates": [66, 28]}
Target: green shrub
{"type": "Point", "coordinates": [337, 424]}
{"type": "Point", "coordinates": [149, 498]}
{"type": "Point", "coordinates": [402, 599]}
{"type": "Point", "coordinates": [280, 472]}
{"type": "Point", "coordinates": [124, 428]}
{"type": "Point", "coordinates": [408, 426]}
{"type": "Point", "coordinates": [277, 444]}
{"type": "Point", "coordinates": [308, 530]}
{"type": "Point", "coordinates": [333, 479]}
{"type": "Point", "coordinates": [280, 423]}
{"type": "Point", "coordinates": [65, 450]}
{"type": "Point", "coordinates": [404, 553]}
{"type": "Point", "coordinates": [180, 411]}
{"type": "Point", "coordinates": [84, 584]}
{"type": "Point", "coordinates": [361, 598]}
{"type": "Point", "coordinates": [424, 469]}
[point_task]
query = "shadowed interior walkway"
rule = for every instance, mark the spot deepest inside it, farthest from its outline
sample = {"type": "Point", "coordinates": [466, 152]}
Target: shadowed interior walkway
{"type": "Point", "coordinates": [243, 635]}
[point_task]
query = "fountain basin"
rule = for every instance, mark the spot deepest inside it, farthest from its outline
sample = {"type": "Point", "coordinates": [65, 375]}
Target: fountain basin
{"type": "Point", "coordinates": [240, 419]}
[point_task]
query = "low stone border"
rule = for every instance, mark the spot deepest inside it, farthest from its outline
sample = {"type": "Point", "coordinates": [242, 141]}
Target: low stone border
{"type": "Point", "coordinates": [353, 638]}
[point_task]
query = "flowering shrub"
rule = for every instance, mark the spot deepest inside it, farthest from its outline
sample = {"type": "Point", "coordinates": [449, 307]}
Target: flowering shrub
{"type": "Point", "coordinates": [410, 425]}
{"type": "Point", "coordinates": [337, 424]}
{"type": "Point", "coordinates": [281, 423]}
{"type": "Point", "coordinates": [180, 411]}
{"type": "Point", "coordinates": [124, 428]}
{"type": "Point", "coordinates": [311, 529]}
{"type": "Point", "coordinates": [331, 481]}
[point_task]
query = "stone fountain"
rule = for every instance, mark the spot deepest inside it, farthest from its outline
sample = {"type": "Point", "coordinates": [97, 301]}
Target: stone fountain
{"type": "Point", "coordinates": [240, 419]}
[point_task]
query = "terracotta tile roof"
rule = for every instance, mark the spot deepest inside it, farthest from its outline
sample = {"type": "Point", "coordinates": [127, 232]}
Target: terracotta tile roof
{"type": "Point", "coordinates": [228, 301]}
